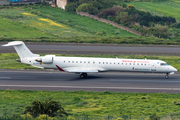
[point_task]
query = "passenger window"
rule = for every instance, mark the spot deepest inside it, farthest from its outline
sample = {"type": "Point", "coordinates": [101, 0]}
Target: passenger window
{"type": "Point", "coordinates": [103, 62]}
{"type": "Point", "coordinates": [138, 64]}
{"type": "Point", "coordinates": [80, 61]}
{"type": "Point", "coordinates": [110, 62]}
{"type": "Point", "coordinates": [64, 61]}
{"type": "Point", "coordinates": [88, 62]}
{"type": "Point", "coordinates": [72, 61]}
{"type": "Point", "coordinates": [118, 63]}
{"type": "Point", "coordinates": [93, 62]}
{"type": "Point", "coordinates": [76, 61]}
{"type": "Point", "coordinates": [144, 64]}
{"type": "Point", "coordinates": [68, 61]}
{"type": "Point", "coordinates": [126, 63]}
{"type": "Point", "coordinates": [114, 63]}
{"type": "Point", "coordinates": [133, 63]}
{"type": "Point", "coordinates": [141, 63]}
{"type": "Point", "coordinates": [129, 63]}
{"type": "Point", "coordinates": [122, 63]}
{"type": "Point", "coordinates": [84, 61]}
{"type": "Point", "coordinates": [106, 62]}
{"type": "Point", "coordinates": [99, 62]}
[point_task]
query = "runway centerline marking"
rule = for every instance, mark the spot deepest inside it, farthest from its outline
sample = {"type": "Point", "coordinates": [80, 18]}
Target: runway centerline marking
{"type": "Point", "coordinates": [87, 87]}
{"type": "Point", "coordinates": [5, 77]}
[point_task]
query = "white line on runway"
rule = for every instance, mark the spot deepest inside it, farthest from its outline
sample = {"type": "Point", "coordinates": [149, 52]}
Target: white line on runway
{"type": "Point", "coordinates": [118, 80]}
{"type": "Point", "coordinates": [87, 87]}
{"type": "Point", "coordinates": [5, 77]}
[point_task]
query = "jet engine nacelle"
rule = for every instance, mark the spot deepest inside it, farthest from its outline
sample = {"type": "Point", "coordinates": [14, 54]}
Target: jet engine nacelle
{"type": "Point", "coordinates": [48, 59]}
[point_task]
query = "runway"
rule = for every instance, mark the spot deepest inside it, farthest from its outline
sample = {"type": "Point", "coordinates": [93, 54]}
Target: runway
{"type": "Point", "coordinates": [114, 82]}
{"type": "Point", "coordinates": [95, 49]}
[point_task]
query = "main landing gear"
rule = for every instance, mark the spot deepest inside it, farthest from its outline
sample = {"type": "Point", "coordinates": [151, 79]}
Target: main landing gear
{"type": "Point", "coordinates": [167, 75]}
{"type": "Point", "coordinates": [83, 75]}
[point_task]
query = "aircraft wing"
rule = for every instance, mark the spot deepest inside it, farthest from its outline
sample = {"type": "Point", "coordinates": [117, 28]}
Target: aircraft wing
{"type": "Point", "coordinates": [80, 69]}
{"type": "Point", "coordinates": [83, 71]}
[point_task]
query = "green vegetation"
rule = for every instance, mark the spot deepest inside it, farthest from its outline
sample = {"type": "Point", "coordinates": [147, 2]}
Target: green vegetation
{"type": "Point", "coordinates": [8, 60]}
{"type": "Point", "coordinates": [98, 5]}
{"type": "Point", "coordinates": [142, 20]}
{"type": "Point", "coordinates": [78, 22]}
{"type": "Point", "coordinates": [165, 8]}
{"type": "Point", "coordinates": [95, 104]}
{"type": "Point", "coordinates": [40, 24]}
{"type": "Point", "coordinates": [47, 24]}
{"type": "Point", "coordinates": [13, 29]}
{"type": "Point", "coordinates": [49, 107]}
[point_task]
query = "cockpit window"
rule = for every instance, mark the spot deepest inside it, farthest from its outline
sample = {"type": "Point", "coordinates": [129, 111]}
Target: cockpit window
{"type": "Point", "coordinates": [164, 64]}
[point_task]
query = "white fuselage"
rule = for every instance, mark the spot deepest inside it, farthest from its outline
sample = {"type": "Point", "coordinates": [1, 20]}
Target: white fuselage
{"type": "Point", "coordinates": [84, 65]}
{"type": "Point", "coordinates": [103, 64]}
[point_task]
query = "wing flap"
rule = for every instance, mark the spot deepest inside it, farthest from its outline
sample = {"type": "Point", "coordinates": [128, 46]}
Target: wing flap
{"type": "Point", "coordinates": [81, 70]}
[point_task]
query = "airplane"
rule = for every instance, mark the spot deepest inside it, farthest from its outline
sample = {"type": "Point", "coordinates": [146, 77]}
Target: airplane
{"type": "Point", "coordinates": [84, 65]}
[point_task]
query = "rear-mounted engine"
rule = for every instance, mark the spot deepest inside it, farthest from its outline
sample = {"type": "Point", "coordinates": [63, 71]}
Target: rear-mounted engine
{"type": "Point", "coordinates": [48, 59]}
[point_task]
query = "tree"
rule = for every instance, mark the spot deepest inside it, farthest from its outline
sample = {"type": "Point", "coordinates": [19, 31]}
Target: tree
{"type": "Point", "coordinates": [159, 31]}
{"type": "Point", "coordinates": [49, 107]}
{"type": "Point", "coordinates": [87, 8]}
{"type": "Point", "coordinates": [71, 7]}
{"type": "Point", "coordinates": [111, 12]}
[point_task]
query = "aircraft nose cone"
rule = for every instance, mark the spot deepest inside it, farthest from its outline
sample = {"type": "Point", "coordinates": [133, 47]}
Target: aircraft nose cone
{"type": "Point", "coordinates": [174, 69]}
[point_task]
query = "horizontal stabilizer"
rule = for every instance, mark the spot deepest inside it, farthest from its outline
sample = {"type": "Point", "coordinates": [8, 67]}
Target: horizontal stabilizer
{"type": "Point", "coordinates": [14, 43]}
{"type": "Point", "coordinates": [21, 49]}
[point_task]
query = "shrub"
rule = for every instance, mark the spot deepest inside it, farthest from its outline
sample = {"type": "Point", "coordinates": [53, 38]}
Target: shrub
{"type": "Point", "coordinates": [49, 107]}
{"type": "Point", "coordinates": [131, 6]}
{"type": "Point", "coordinates": [71, 7]}
{"type": "Point", "coordinates": [177, 25]}
{"type": "Point", "coordinates": [111, 11]}
{"type": "Point", "coordinates": [87, 8]}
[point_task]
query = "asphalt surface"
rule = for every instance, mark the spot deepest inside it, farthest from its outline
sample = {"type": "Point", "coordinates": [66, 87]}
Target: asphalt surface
{"type": "Point", "coordinates": [114, 82]}
{"type": "Point", "coordinates": [95, 49]}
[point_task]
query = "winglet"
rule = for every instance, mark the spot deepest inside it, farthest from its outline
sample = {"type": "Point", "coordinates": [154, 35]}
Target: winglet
{"type": "Point", "coordinates": [60, 68]}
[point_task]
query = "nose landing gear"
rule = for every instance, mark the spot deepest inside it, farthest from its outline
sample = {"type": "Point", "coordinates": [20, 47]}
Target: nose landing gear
{"type": "Point", "coordinates": [83, 75]}
{"type": "Point", "coordinates": [167, 75]}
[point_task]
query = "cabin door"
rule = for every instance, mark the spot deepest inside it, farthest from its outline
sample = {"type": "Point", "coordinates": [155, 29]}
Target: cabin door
{"type": "Point", "coordinates": [153, 66]}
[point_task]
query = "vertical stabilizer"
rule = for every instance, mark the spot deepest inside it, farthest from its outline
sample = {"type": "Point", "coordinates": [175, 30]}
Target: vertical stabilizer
{"type": "Point", "coordinates": [21, 49]}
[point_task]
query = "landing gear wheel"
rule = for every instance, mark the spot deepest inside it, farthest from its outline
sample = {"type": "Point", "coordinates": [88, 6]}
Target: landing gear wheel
{"type": "Point", "coordinates": [83, 75]}
{"type": "Point", "coordinates": [167, 76]}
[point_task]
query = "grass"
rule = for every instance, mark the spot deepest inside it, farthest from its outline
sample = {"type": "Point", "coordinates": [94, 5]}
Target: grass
{"type": "Point", "coordinates": [14, 29]}
{"type": "Point", "coordinates": [85, 23]}
{"type": "Point", "coordinates": [8, 60]}
{"type": "Point", "coordinates": [94, 104]}
{"type": "Point", "coordinates": [58, 23]}
{"type": "Point", "coordinates": [43, 25]}
{"type": "Point", "coordinates": [47, 24]}
{"type": "Point", "coordinates": [165, 8]}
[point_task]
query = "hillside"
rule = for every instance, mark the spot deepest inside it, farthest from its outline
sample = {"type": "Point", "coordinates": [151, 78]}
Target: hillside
{"type": "Point", "coordinates": [50, 24]}
{"type": "Point", "coordinates": [163, 8]}
{"type": "Point", "coordinates": [53, 23]}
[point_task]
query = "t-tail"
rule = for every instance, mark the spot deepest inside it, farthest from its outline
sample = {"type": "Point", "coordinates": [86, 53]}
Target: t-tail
{"type": "Point", "coordinates": [21, 49]}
